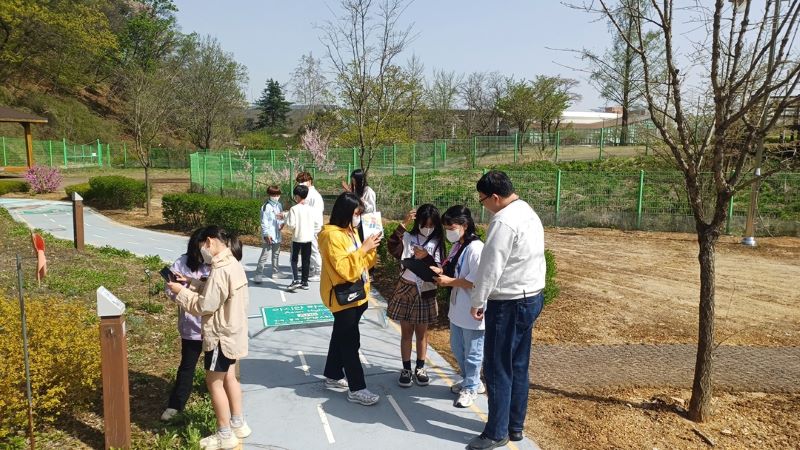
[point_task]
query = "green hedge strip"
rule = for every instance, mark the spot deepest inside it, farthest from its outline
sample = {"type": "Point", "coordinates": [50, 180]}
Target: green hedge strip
{"type": "Point", "coordinates": [8, 186]}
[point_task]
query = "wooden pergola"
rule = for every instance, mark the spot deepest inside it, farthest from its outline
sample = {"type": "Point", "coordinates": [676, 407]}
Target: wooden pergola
{"type": "Point", "coordinates": [24, 119]}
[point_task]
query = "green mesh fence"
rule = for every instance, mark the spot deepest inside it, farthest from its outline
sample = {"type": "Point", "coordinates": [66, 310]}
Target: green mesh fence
{"type": "Point", "coordinates": [624, 200]}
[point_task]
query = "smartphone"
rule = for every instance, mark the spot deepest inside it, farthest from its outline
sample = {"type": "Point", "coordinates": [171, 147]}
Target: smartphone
{"type": "Point", "coordinates": [167, 275]}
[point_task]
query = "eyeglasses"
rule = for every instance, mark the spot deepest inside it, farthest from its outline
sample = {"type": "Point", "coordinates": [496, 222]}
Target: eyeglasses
{"type": "Point", "coordinates": [480, 200]}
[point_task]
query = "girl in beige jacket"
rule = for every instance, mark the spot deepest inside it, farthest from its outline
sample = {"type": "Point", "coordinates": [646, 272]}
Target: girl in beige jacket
{"type": "Point", "coordinates": [221, 301]}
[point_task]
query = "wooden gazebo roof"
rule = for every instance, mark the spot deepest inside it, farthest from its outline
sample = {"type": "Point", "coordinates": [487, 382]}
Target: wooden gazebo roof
{"type": "Point", "coordinates": [25, 119]}
{"type": "Point", "coordinates": [12, 115]}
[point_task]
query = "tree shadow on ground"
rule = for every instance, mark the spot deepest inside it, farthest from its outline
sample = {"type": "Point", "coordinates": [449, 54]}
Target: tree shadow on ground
{"type": "Point", "coordinates": [657, 403]}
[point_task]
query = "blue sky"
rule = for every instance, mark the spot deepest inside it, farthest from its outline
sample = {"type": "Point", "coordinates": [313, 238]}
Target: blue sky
{"type": "Point", "coordinates": [509, 36]}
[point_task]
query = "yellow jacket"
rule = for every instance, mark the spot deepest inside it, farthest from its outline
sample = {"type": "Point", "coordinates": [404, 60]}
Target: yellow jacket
{"type": "Point", "coordinates": [342, 262]}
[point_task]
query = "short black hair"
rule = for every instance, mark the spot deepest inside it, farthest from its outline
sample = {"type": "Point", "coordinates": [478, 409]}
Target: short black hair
{"type": "Point", "coordinates": [301, 191]}
{"type": "Point", "coordinates": [343, 209]}
{"type": "Point", "coordinates": [495, 182]}
{"type": "Point", "coordinates": [460, 215]}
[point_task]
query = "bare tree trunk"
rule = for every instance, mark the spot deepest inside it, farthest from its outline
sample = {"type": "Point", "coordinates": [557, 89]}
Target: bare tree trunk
{"type": "Point", "coordinates": [147, 189]}
{"type": "Point", "coordinates": [700, 403]}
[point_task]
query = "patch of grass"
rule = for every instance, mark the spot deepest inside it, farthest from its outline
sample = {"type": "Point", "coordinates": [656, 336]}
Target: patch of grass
{"type": "Point", "coordinates": [73, 280]}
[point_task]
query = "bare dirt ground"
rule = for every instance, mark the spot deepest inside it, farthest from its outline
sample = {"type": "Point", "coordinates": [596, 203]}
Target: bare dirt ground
{"type": "Point", "coordinates": [643, 287]}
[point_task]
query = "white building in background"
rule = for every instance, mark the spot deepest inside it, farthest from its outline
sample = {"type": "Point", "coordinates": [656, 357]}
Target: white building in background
{"type": "Point", "coordinates": [580, 119]}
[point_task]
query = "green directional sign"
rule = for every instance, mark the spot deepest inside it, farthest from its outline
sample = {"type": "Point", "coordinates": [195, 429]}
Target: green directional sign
{"type": "Point", "coordinates": [295, 315]}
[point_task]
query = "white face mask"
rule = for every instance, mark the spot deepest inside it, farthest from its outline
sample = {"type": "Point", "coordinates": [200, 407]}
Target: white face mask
{"type": "Point", "coordinates": [453, 235]}
{"type": "Point", "coordinates": [356, 221]}
{"type": "Point", "coordinates": [207, 256]}
{"type": "Point", "coordinates": [274, 199]}
{"type": "Point", "coordinates": [426, 231]}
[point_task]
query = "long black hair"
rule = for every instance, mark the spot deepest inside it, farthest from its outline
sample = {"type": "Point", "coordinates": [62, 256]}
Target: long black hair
{"type": "Point", "coordinates": [460, 215]}
{"type": "Point", "coordinates": [425, 212]}
{"type": "Point", "coordinates": [359, 179]}
{"type": "Point", "coordinates": [343, 209]}
{"type": "Point", "coordinates": [229, 239]}
{"type": "Point", "coordinates": [194, 259]}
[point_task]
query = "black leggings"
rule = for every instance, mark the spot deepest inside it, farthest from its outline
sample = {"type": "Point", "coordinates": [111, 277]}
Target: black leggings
{"type": "Point", "coordinates": [190, 353]}
{"type": "Point", "coordinates": [343, 350]}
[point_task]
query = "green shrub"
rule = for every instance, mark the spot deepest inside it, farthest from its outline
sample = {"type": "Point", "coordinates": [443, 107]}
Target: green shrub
{"type": "Point", "coordinates": [117, 192]}
{"type": "Point", "coordinates": [189, 211]}
{"type": "Point", "coordinates": [7, 186]}
{"type": "Point", "coordinates": [83, 189]}
{"type": "Point", "coordinates": [58, 332]}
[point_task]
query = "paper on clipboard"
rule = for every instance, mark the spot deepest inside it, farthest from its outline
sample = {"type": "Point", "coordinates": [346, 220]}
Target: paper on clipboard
{"type": "Point", "coordinates": [372, 224]}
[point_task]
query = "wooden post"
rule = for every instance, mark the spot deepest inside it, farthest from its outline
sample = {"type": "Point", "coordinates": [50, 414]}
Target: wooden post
{"type": "Point", "coordinates": [77, 221]}
{"type": "Point", "coordinates": [116, 399]}
{"type": "Point", "coordinates": [28, 142]}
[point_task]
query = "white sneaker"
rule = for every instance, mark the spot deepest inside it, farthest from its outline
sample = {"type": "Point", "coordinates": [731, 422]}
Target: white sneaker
{"type": "Point", "coordinates": [465, 399]}
{"type": "Point", "coordinates": [217, 442]}
{"type": "Point", "coordinates": [242, 431]}
{"type": "Point", "coordinates": [336, 384]}
{"type": "Point", "coordinates": [168, 414]}
{"type": "Point", "coordinates": [258, 279]}
{"type": "Point", "coordinates": [363, 396]}
{"type": "Point", "coordinates": [278, 276]}
{"type": "Point", "coordinates": [314, 278]}
{"type": "Point", "coordinates": [456, 388]}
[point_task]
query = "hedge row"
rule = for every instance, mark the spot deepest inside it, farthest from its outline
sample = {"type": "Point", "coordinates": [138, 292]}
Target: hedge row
{"type": "Point", "coordinates": [7, 186]}
{"type": "Point", "coordinates": [189, 211]}
{"type": "Point", "coordinates": [111, 192]}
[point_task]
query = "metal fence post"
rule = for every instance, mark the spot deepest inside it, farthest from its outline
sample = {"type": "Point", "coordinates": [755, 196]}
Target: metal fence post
{"type": "Point", "coordinates": [483, 210]}
{"type": "Point", "coordinates": [99, 154]}
{"type": "Point", "coordinates": [394, 159]}
{"type": "Point", "coordinates": [414, 154]}
{"type": "Point", "coordinates": [124, 154]}
{"type": "Point", "coordinates": [558, 196]}
{"type": "Point", "coordinates": [291, 174]}
{"type": "Point", "coordinates": [516, 146]}
{"type": "Point", "coordinates": [205, 170]}
{"type": "Point", "coordinates": [413, 186]}
{"type": "Point", "coordinates": [433, 153]}
{"type": "Point", "coordinates": [50, 151]}
{"type": "Point", "coordinates": [221, 171]}
{"type": "Point", "coordinates": [5, 156]}
{"type": "Point", "coordinates": [230, 167]}
{"type": "Point", "coordinates": [64, 146]}
{"type": "Point", "coordinates": [602, 138]}
{"type": "Point", "coordinates": [272, 158]}
{"type": "Point", "coordinates": [558, 143]}
{"type": "Point", "coordinates": [252, 178]}
{"type": "Point", "coordinates": [639, 202]}
{"type": "Point", "coordinates": [730, 217]}
{"type": "Point", "coordinates": [474, 151]}
{"type": "Point", "coordinates": [444, 153]}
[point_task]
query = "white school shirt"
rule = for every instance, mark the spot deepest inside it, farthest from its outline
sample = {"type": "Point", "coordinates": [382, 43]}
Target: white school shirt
{"type": "Point", "coordinates": [304, 223]}
{"type": "Point", "coordinates": [409, 241]}
{"type": "Point", "coordinates": [370, 200]}
{"type": "Point", "coordinates": [467, 268]}
{"type": "Point", "coordinates": [315, 201]}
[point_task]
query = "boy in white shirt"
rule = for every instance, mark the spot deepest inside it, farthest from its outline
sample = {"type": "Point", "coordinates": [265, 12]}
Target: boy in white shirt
{"type": "Point", "coordinates": [304, 223]}
{"type": "Point", "coordinates": [315, 201]}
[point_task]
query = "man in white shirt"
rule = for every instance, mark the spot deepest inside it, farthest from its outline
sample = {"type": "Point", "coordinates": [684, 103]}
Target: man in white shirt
{"type": "Point", "coordinates": [508, 286]}
{"type": "Point", "coordinates": [314, 200]}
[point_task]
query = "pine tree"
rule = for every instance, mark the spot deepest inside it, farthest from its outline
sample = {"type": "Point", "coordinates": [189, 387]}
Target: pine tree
{"type": "Point", "coordinates": [273, 107]}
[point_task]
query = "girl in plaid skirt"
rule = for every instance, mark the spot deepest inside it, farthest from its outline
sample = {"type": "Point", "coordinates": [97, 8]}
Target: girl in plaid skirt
{"type": "Point", "coordinates": [413, 303]}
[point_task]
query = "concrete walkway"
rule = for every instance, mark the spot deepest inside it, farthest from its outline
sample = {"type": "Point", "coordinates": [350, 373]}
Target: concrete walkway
{"type": "Point", "coordinates": [285, 401]}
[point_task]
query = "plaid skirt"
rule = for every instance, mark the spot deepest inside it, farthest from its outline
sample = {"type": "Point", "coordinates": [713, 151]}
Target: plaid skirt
{"type": "Point", "coordinates": [407, 306]}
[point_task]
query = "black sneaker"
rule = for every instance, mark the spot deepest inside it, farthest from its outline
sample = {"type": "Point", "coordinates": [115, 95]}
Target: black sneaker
{"type": "Point", "coordinates": [294, 286]}
{"type": "Point", "coordinates": [421, 375]}
{"type": "Point", "coordinates": [406, 378]}
{"type": "Point", "coordinates": [483, 442]}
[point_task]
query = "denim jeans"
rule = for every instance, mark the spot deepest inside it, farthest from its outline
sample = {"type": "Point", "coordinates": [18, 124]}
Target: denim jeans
{"type": "Point", "coordinates": [467, 346]}
{"type": "Point", "coordinates": [507, 352]}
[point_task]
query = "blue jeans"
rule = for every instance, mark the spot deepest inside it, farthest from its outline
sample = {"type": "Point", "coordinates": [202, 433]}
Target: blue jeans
{"type": "Point", "coordinates": [507, 352]}
{"type": "Point", "coordinates": [467, 346]}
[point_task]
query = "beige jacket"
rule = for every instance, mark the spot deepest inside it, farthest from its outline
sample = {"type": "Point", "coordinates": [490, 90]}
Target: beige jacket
{"type": "Point", "coordinates": [222, 305]}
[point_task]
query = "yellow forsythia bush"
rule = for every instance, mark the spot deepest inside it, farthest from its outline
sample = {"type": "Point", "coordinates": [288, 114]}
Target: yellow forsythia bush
{"type": "Point", "coordinates": [64, 345]}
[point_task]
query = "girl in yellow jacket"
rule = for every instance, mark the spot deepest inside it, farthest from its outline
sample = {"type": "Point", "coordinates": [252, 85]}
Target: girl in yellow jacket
{"type": "Point", "coordinates": [346, 260]}
{"type": "Point", "coordinates": [221, 301]}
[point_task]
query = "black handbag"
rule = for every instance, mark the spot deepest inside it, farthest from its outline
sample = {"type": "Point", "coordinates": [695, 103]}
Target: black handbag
{"type": "Point", "coordinates": [347, 293]}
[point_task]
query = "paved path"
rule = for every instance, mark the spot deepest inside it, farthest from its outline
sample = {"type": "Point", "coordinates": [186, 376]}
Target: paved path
{"type": "Point", "coordinates": [285, 402]}
{"type": "Point", "coordinates": [737, 368]}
